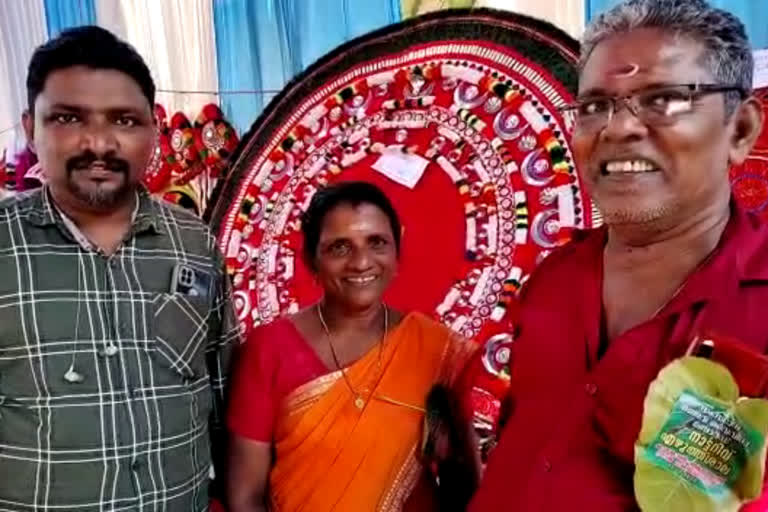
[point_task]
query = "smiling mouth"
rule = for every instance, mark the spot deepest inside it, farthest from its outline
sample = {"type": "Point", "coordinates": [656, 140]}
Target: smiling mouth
{"type": "Point", "coordinates": [98, 169]}
{"type": "Point", "coordinates": [360, 281]}
{"type": "Point", "coordinates": [627, 167]}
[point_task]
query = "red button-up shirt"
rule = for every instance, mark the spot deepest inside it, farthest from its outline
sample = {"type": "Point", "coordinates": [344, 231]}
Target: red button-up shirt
{"type": "Point", "coordinates": [569, 443]}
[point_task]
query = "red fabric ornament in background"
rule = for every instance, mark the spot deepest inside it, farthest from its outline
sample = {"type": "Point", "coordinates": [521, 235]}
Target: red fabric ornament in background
{"type": "Point", "coordinates": [160, 169]}
{"type": "Point", "coordinates": [182, 141]}
{"type": "Point", "coordinates": [184, 196]}
{"type": "Point", "coordinates": [6, 182]}
{"type": "Point", "coordinates": [3, 170]}
{"type": "Point", "coordinates": [188, 158]}
{"type": "Point", "coordinates": [215, 139]}
{"type": "Point", "coordinates": [23, 162]}
{"type": "Point", "coordinates": [749, 180]}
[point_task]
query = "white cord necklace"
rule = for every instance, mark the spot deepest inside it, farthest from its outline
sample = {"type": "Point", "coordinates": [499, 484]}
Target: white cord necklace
{"type": "Point", "coordinates": [73, 376]}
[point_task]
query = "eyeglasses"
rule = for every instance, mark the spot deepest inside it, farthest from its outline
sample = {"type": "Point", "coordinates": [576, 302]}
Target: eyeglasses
{"type": "Point", "coordinates": [657, 106]}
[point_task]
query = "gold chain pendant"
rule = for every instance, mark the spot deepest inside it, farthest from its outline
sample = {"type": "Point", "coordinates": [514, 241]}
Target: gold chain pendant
{"type": "Point", "coordinates": [359, 400]}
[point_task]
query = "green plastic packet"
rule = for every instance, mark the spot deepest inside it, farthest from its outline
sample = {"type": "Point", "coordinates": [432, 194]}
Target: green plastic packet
{"type": "Point", "coordinates": [701, 447]}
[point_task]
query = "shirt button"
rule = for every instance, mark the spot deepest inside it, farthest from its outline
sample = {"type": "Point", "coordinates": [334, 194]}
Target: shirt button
{"type": "Point", "coordinates": [136, 465]}
{"type": "Point", "coordinates": [591, 388]}
{"type": "Point", "coordinates": [547, 465]}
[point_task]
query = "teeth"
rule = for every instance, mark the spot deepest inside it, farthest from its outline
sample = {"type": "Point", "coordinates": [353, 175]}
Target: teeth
{"type": "Point", "coordinates": [361, 280]}
{"type": "Point", "coordinates": [629, 166]}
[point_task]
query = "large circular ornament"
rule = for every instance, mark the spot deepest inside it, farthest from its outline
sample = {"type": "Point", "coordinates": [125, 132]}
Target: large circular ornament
{"type": "Point", "coordinates": [455, 116]}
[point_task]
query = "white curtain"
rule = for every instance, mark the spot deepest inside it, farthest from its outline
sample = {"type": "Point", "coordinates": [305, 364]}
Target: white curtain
{"type": "Point", "coordinates": [569, 15]}
{"type": "Point", "coordinates": [22, 29]}
{"type": "Point", "coordinates": [176, 38]}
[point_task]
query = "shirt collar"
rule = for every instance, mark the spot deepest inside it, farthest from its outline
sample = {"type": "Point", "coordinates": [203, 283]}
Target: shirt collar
{"type": "Point", "coordinates": [751, 248]}
{"type": "Point", "coordinates": [741, 257]}
{"type": "Point", "coordinates": [147, 216]}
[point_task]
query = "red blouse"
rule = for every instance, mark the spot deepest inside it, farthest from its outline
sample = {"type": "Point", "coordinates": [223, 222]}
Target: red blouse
{"type": "Point", "coordinates": [275, 360]}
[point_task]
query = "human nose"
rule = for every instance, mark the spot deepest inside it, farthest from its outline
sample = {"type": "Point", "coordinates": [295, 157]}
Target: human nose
{"type": "Point", "coordinates": [361, 259]}
{"type": "Point", "coordinates": [98, 137]}
{"type": "Point", "coordinates": [624, 123]}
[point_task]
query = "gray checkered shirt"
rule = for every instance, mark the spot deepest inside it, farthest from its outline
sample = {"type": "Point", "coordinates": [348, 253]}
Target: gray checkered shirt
{"type": "Point", "coordinates": [128, 429]}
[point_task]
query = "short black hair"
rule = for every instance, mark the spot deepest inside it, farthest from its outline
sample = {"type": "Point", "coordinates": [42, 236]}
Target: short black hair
{"type": "Point", "coordinates": [92, 47]}
{"type": "Point", "coordinates": [352, 193]}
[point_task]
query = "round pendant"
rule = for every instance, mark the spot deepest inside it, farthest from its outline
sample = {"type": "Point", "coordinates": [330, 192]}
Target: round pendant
{"type": "Point", "coordinates": [359, 402]}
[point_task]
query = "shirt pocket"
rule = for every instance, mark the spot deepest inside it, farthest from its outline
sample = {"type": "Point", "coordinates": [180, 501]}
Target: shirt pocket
{"type": "Point", "coordinates": [180, 333]}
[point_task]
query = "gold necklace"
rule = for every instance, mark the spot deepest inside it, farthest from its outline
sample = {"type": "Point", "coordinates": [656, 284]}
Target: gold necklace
{"type": "Point", "coordinates": [680, 288]}
{"type": "Point", "coordinates": [359, 400]}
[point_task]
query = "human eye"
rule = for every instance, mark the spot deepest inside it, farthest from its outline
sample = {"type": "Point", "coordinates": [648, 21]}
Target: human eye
{"type": "Point", "coordinates": [338, 248]}
{"type": "Point", "coordinates": [64, 118]}
{"type": "Point", "coordinates": [126, 121]}
{"type": "Point", "coordinates": [379, 242]}
{"type": "Point", "coordinates": [665, 101]}
{"type": "Point", "coordinates": [593, 107]}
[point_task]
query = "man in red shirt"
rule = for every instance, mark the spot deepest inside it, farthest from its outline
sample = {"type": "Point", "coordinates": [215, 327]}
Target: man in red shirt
{"type": "Point", "coordinates": [663, 110]}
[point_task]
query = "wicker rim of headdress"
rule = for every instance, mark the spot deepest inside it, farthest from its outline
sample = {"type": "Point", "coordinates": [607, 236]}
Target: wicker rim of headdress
{"type": "Point", "coordinates": [541, 42]}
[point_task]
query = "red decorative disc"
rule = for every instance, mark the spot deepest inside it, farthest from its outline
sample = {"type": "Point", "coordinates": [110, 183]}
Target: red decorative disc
{"type": "Point", "coordinates": [455, 115]}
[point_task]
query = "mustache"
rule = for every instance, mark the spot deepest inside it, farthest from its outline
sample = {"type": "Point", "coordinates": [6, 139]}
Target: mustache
{"type": "Point", "coordinates": [88, 158]}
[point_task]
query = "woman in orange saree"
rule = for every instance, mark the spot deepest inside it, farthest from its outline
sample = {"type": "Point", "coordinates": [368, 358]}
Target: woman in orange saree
{"type": "Point", "coordinates": [327, 406]}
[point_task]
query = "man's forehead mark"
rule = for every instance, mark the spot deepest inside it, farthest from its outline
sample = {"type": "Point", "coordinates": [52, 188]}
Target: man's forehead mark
{"type": "Point", "coordinates": [625, 70]}
{"type": "Point", "coordinates": [629, 69]}
{"type": "Point", "coordinates": [666, 56]}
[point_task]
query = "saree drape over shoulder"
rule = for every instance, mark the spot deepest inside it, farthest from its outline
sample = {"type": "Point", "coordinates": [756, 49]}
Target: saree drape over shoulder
{"type": "Point", "coordinates": [332, 455]}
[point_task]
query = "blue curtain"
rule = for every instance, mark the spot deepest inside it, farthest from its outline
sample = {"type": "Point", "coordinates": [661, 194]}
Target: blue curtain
{"type": "Point", "coordinates": [753, 13]}
{"type": "Point", "coordinates": [262, 44]}
{"type": "Point", "coordinates": [63, 14]}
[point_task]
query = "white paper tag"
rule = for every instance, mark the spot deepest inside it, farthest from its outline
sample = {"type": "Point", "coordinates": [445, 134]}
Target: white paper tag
{"type": "Point", "coordinates": [401, 167]}
{"type": "Point", "coordinates": [566, 207]}
{"type": "Point", "coordinates": [760, 77]}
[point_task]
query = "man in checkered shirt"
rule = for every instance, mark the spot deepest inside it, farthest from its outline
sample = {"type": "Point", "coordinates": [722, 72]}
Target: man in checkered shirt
{"type": "Point", "coordinates": [115, 323]}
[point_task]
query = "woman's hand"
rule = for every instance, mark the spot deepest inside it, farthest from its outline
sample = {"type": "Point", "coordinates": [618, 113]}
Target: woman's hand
{"type": "Point", "coordinates": [249, 465]}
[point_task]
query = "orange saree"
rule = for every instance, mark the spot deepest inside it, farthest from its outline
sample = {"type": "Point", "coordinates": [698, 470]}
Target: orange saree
{"type": "Point", "coordinates": [332, 455]}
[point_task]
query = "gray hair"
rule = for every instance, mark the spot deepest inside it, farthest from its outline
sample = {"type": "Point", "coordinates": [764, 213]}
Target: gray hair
{"type": "Point", "coordinates": [728, 53]}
